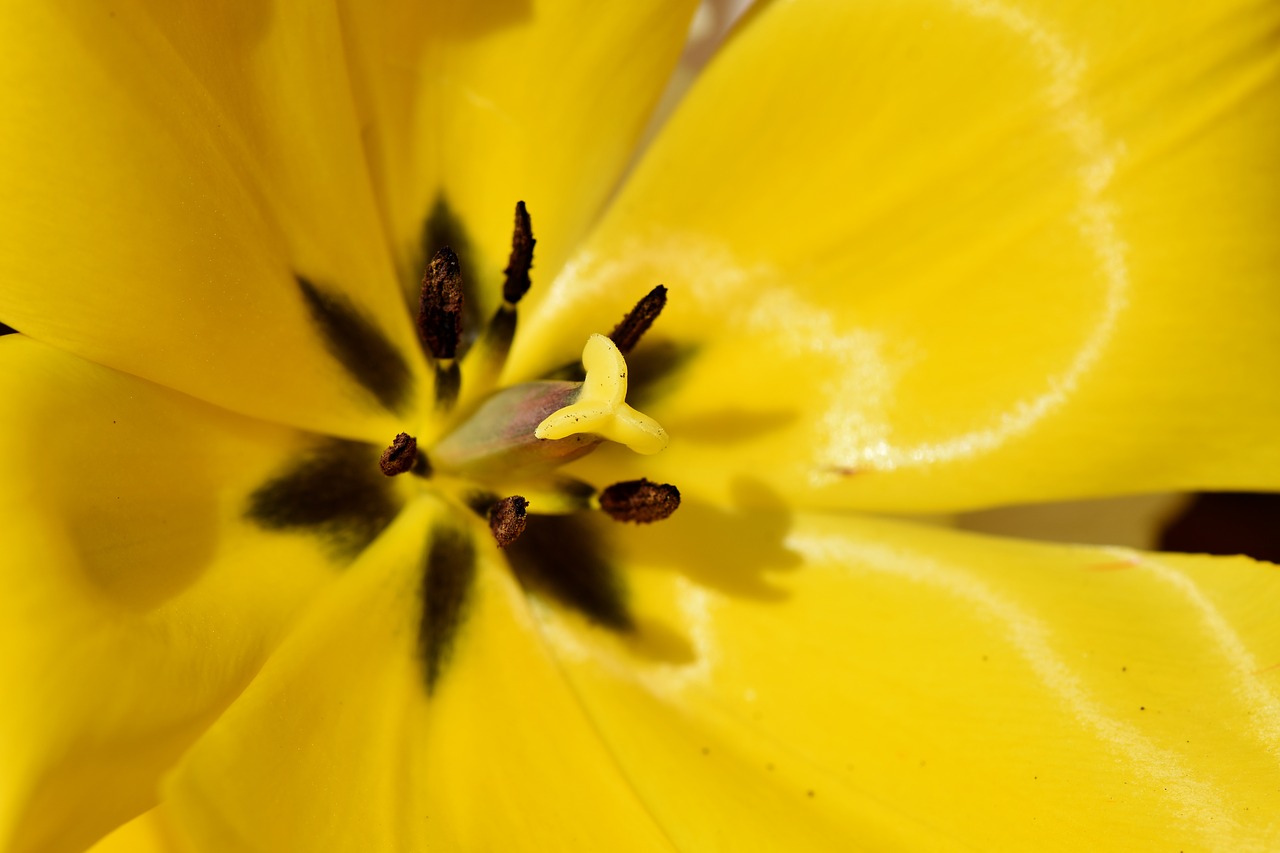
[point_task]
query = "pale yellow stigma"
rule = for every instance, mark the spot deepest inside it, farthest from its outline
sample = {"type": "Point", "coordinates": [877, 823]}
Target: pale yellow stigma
{"type": "Point", "coordinates": [601, 408]}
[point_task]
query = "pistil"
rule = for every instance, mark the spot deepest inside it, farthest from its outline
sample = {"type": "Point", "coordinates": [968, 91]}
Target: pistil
{"type": "Point", "coordinates": [497, 441]}
{"type": "Point", "coordinates": [514, 438]}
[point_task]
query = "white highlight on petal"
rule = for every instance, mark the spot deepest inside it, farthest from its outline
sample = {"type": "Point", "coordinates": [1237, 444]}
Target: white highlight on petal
{"type": "Point", "coordinates": [1250, 690]}
{"type": "Point", "coordinates": [1095, 223]}
{"type": "Point", "coordinates": [667, 680]}
{"type": "Point", "coordinates": [1200, 807]}
{"type": "Point", "coordinates": [855, 432]}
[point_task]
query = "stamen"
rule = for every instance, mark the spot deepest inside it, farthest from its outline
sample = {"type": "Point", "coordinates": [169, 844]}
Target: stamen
{"type": "Point", "coordinates": [440, 322]}
{"type": "Point", "coordinates": [440, 305]}
{"type": "Point", "coordinates": [401, 456]}
{"type": "Point", "coordinates": [600, 408]}
{"type": "Point", "coordinates": [640, 501]}
{"type": "Point", "coordinates": [638, 320]}
{"type": "Point", "coordinates": [516, 283]}
{"type": "Point", "coordinates": [492, 348]}
{"type": "Point", "coordinates": [448, 384]}
{"type": "Point", "coordinates": [487, 357]}
{"type": "Point", "coordinates": [508, 518]}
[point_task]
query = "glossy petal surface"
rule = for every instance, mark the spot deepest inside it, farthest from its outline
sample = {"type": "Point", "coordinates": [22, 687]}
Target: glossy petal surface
{"type": "Point", "coordinates": [135, 602]}
{"type": "Point", "coordinates": [473, 106]}
{"type": "Point", "coordinates": [929, 255]}
{"type": "Point", "coordinates": [481, 763]}
{"type": "Point", "coordinates": [169, 174]}
{"type": "Point", "coordinates": [790, 683]}
{"type": "Point", "coordinates": [144, 834]}
{"type": "Point", "coordinates": [998, 695]}
{"type": "Point", "coordinates": [932, 255]}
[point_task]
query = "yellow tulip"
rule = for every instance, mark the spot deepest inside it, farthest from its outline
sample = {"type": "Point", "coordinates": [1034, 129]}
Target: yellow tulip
{"type": "Point", "coordinates": [921, 256]}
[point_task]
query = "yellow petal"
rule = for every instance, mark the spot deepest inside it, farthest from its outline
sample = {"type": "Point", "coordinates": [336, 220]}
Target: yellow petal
{"type": "Point", "coordinates": [144, 834]}
{"type": "Point", "coordinates": [828, 683]}
{"type": "Point", "coordinates": [931, 255]}
{"type": "Point", "coordinates": [169, 172]}
{"type": "Point", "coordinates": [338, 746]}
{"type": "Point", "coordinates": [472, 107]}
{"type": "Point", "coordinates": [135, 599]}
{"type": "Point", "coordinates": [789, 683]}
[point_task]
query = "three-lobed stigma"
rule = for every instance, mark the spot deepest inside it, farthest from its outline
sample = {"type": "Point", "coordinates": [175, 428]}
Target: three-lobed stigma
{"type": "Point", "coordinates": [601, 408]}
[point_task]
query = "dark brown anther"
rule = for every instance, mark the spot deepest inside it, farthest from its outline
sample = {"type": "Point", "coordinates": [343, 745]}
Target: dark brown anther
{"type": "Point", "coordinates": [440, 305]}
{"type": "Point", "coordinates": [638, 320]}
{"type": "Point", "coordinates": [516, 283]}
{"type": "Point", "coordinates": [507, 519]}
{"type": "Point", "coordinates": [640, 501]}
{"type": "Point", "coordinates": [401, 456]}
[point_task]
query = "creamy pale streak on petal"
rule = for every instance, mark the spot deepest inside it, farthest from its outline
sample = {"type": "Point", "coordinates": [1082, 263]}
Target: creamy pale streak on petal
{"type": "Point", "coordinates": [136, 601]}
{"type": "Point", "coordinates": [886, 687]}
{"type": "Point", "coordinates": [1030, 264]}
{"type": "Point", "coordinates": [1126, 696]}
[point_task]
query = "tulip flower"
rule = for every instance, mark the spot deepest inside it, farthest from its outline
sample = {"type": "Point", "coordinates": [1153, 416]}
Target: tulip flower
{"type": "Point", "coordinates": [343, 510]}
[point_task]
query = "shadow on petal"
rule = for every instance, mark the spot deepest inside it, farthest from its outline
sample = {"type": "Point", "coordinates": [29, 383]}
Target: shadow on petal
{"type": "Point", "coordinates": [726, 426]}
{"type": "Point", "coordinates": [114, 538]}
{"type": "Point", "coordinates": [565, 557]}
{"type": "Point", "coordinates": [694, 542]}
{"type": "Point", "coordinates": [653, 367]}
{"type": "Point", "coordinates": [657, 642]}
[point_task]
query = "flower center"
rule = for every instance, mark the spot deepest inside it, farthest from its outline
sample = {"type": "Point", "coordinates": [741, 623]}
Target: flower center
{"type": "Point", "coordinates": [511, 440]}
{"type": "Point", "coordinates": [491, 450]}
